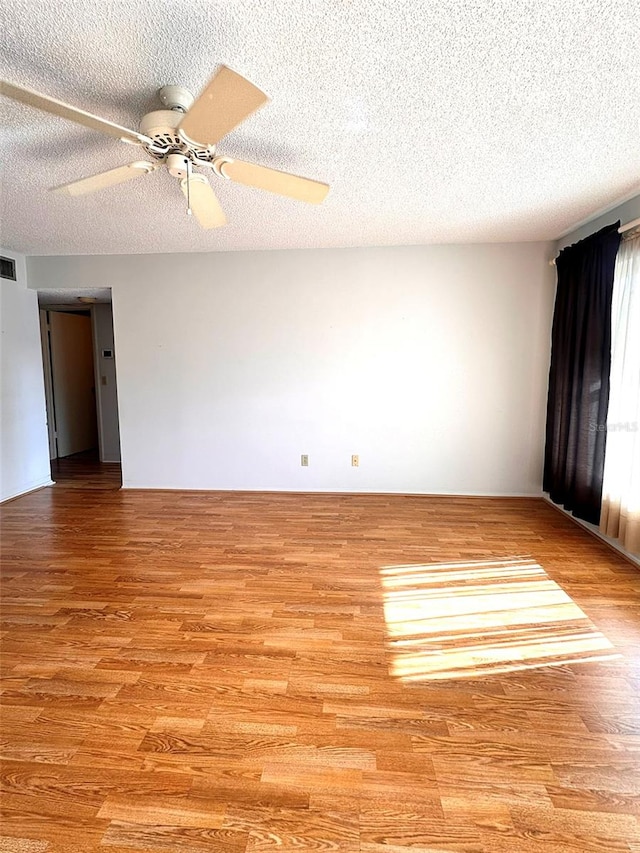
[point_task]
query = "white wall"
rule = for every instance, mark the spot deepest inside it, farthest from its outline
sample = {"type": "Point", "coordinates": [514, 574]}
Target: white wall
{"type": "Point", "coordinates": [429, 362]}
{"type": "Point", "coordinates": [24, 447]}
{"type": "Point", "coordinates": [106, 388]}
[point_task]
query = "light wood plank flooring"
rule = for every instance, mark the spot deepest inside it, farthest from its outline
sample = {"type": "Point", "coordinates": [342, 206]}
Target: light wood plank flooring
{"type": "Point", "coordinates": [214, 672]}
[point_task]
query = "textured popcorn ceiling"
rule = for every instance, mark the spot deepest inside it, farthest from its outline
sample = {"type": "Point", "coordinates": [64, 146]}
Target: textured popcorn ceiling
{"type": "Point", "coordinates": [448, 121]}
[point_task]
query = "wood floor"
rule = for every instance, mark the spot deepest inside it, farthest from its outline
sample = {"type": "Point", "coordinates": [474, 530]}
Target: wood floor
{"type": "Point", "coordinates": [213, 672]}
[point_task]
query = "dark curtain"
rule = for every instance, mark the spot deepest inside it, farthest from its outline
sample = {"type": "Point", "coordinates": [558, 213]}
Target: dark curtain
{"type": "Point", "coordinates": [579, 374]}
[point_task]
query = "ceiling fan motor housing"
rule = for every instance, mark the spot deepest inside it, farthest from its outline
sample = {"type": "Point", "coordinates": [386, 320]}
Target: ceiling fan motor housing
{"type": "Point", "coordinates": [161, 126]}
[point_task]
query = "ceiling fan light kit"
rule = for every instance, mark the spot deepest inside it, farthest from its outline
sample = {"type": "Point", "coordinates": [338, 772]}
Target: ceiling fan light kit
{"type": "Point", "coordinates": [182, 135]}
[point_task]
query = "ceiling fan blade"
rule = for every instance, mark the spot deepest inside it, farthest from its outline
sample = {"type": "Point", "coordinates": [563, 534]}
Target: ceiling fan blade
{"type": "Point", "coordinates": [106, 179]}
{"type": "Point", "coordinates": [204, 204]}
{"type": "Point", "coordinates": [59, 108]}
{"type": "Point", "coordinates": [227, 100]}
{"type": "Point", "coordinates": [302, 189]}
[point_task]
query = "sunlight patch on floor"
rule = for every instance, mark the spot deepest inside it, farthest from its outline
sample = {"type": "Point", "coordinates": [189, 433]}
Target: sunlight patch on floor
{"type": "Point", "coordinates": [471, 619]}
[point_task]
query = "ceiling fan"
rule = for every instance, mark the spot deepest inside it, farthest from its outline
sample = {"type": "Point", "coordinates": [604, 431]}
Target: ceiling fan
{"type": "Point", "coordinates": [182, 136]}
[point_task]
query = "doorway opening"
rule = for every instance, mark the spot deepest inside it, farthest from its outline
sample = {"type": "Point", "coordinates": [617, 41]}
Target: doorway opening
{"type": "Point", "coordinates": [78, 357]}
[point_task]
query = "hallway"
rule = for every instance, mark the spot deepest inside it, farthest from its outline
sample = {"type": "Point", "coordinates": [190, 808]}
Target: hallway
{"type": "Point", "coordinates": [85, 471]}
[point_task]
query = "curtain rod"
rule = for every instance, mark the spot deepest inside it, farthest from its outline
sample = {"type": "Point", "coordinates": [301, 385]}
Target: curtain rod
{"type": "Point", "coordinates": [629, 225]}
{"type": "Point", "coordinates": [621, 230]}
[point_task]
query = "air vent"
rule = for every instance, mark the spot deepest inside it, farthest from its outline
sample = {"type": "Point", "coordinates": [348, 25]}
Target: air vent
{"type": "Point", "coordinates": [8, 268]}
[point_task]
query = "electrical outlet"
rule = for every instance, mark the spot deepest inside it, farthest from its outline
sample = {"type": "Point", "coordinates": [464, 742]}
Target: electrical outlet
{"type": "Point", "coordinates": [304, 460]}
{"type": "Point", "coordinates": [355, 460]}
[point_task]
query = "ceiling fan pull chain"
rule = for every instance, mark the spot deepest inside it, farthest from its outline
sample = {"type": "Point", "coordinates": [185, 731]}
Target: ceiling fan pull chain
{"type": "Point", "coordinates": [188, 187]}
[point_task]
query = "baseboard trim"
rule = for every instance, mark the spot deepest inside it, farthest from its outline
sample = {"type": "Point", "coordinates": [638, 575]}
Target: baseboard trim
{"type": "Point", "coordinates": [593, 530]}
{"type": "Point", "coordinates": [27, 492]}
{"type": "Point", "coordinates": [497, 495]}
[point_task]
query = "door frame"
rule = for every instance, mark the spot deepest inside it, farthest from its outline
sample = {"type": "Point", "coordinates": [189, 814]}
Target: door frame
{"type": "Point", "coordinates": [45, 341]}
{"type": "Point", "coordinates": [97, 379]}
